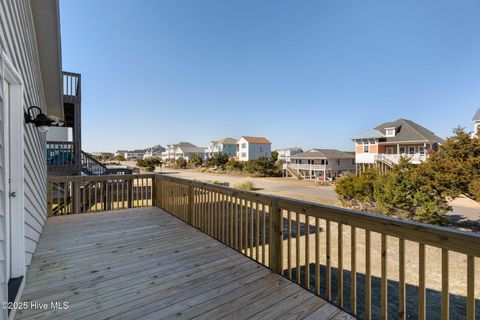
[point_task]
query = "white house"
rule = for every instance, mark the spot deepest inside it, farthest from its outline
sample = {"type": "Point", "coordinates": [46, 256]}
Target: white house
{"type": "Point", "coordinates": [187, 151]}
{"type": "Point", "coordinates": [319, 164]}
{"type": "Point", "coordinates": [227, 146]}
{"type": "Point", "coordinates": [155, 151]}
{"type": "Point", "coordinates": [286, 153]}
{"type": "Point", "coordinates": [181, 150]}
{"type": "Point", "coordinates": [121, 153]}
{"type": "Point", "coordinates": [135, 154]}
{"type": "Point", "coordinates": [476, 123]}
{"type": "Point", "coordinates": [251, 148]}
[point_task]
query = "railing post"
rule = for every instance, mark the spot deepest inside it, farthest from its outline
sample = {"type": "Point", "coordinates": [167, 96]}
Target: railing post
{"type": "Point", "coordinates": [190, 217]}
{"type": "Point", "coordinates": [154, 190]}
{"type": "Point", "coordinates": [159, 179]}
{"type": "Point", "coordinates": [49, 199]}
{"type": "Point", "coordinates": [129, 192]}
{"type": "Point", "coordinates": [76, 197]}
{"type": "Point", "coordinates": [276, 238]}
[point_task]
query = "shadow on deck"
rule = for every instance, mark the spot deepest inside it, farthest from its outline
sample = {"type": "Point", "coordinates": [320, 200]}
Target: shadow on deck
{"type": "Point", "coordinates": [146, 264]}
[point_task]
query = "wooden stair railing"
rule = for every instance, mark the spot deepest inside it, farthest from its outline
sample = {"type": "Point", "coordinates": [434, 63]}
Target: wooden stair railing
{"type": "Point", "coordinates": [92, 167]}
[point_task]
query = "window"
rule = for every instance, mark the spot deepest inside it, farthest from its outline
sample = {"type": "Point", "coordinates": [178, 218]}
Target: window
{"type": "Point", "coordinates": [261, 149]}
{"type": "Point", "coordinates": [338, 162]}
{"type": "Point", "coordinates": [244, 145]}
{"type": "Point", "coordinates": [365, 149]}
{"type": "Point", "coordinates": [411, 150]}
{"type": "Point", "coordinates": [402, 150]}
{"type": "Point", "coordinates": [389, 150]}
{"type": "Point", "coordinates": [244, 154]}
{"type": "Point", "coordinates": [390, 132]}
{"type": "Point", "coordinates": [421, 150]}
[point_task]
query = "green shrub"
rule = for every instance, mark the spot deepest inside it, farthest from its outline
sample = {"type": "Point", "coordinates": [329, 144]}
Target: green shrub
{"type": "Point", "coordinates": [218, 160]}
{"type": "Point", "coordinates": [233, 165]}
{"type": "Point", "coordinates": [181, 163]}
{"type": "Point", "coordinates": [149, 162]}
{"type": "Point", "coordinates": [247, 185]}
{"type": "Point", "coordinates": [196, 160]}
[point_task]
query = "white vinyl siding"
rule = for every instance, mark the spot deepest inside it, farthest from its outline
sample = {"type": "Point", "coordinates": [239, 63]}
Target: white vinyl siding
{"type": "Point", "coordinates": [17, 40]}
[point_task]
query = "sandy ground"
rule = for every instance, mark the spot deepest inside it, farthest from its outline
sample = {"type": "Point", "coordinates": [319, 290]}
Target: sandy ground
{"type": "Point", "coordinates": [465, 213]}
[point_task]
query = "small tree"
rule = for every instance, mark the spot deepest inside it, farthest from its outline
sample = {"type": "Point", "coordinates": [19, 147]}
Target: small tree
{"type": "Point", "coordinates": [234, 165]}
{"type": "Point", "coordinates": [119, 158]}
{"type": "Point", "coordinates": [181, 163]}
{"type": "Point", "coordinates": [405, 192]}
{"type": "Point", "coordinates": [196, 160]}
{"type": "Point", "coordinates": [358, 191]}
{"type": "Point", "coordinates": [218, 160]}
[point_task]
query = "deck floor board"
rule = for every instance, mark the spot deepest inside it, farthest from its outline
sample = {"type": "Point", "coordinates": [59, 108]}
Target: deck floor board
{"type": "Point", "coordinates": [146, 264]}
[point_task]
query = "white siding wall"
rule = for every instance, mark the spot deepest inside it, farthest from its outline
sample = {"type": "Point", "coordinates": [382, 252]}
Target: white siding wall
{"type": "Point", "coordinates": [17, 40]}
{"type": "Point", "coordinates": [257, 150]}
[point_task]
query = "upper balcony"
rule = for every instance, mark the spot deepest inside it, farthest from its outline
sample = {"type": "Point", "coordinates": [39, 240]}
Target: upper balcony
{"type": "Point", "coordinates": [180, 250]}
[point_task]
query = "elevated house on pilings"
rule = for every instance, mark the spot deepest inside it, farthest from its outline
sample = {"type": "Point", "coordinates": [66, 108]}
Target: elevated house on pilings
{"type": "Point", "coordinates": [384, 145]}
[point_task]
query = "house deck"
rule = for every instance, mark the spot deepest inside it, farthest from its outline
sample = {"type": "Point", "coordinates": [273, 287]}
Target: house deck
{"type": "Point", "coordinates": [146, 264]}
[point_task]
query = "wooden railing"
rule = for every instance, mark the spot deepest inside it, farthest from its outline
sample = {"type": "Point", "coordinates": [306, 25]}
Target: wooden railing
{"type": "Point", "coordinates": [370, 265]}
{"type": "Point", "coordinates": [71, 86]}
{"type": "Point", "coordinates": [80, 194]}
{"type": "Point", "coordinates": [61, 156]}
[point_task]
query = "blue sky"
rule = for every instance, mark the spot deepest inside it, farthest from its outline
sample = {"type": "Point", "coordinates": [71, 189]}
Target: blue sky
{"type": "Point", "coordinates": [302, 73]}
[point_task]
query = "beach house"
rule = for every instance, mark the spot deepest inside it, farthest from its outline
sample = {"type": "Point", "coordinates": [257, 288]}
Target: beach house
{"type": "Point", "coordinates": [285, 154]}
{"type": "Point", "coordinates": [226, 145]}
{"type": "Point", "coordinates": [251, 148]}
{"type": "Point", "coordinates": [319, 164]}
{"type": "Point", "coordinates": [155, 151]}
{"type": "Point", "coordinates": [385, 144]}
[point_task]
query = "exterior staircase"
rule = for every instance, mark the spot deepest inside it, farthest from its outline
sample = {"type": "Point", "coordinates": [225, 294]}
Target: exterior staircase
{"type": "Point", "coordinates": [295, 173]}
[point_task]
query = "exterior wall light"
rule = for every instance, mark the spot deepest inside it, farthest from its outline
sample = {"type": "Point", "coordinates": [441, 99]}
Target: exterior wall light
{"type": "Point", "coordinates": [41, 120]}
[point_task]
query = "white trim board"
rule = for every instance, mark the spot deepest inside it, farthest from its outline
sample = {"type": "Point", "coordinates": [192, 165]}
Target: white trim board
{"type": "Point", "coordinates": [17, 174]}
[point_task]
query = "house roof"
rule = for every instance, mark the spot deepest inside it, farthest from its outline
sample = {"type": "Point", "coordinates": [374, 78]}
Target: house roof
{"type": "Point", "coordinates": [369, 134]}
{"type": "Point", "coordinates": [256, 139]}
{"type": "Point", "coordinates": [191, 149]}
{"type": "Point", "coordinates": [407, 130]}
{"type": "Point", "coordinates": [227, 141]}
{"type": "Point", "coordinates": [324, 154]}
{"type": "Point", "coordinates": [476, 117]}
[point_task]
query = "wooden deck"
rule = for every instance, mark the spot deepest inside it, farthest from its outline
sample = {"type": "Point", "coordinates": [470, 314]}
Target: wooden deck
{"type": "Point", "coordinates": [146, 264]}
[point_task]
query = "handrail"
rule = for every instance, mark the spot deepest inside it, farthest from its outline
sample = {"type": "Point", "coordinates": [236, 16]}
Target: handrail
{"type": "Point", "coordinates": [80, 194]}
{"type": "Point", "coordinates": [284, 234]}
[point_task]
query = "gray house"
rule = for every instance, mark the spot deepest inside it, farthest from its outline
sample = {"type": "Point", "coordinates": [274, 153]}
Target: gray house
{"type": "Point", "coordinates": [319, 164]}
{"type": "Point", "coordinates": [30, 75]}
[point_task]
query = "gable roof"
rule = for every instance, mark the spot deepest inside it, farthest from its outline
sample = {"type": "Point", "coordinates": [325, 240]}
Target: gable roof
{"type": "Point", "coordinates": [228, 141]}
{"type": "Point", "coordinates": [476, 117]}
{"type": "Point", "coordinates": [256, 139]}
{"type": "Point", "coordinates": [407, 130]}
{"type": "Point", "coordinates": [323, 154]}
{"type": "Point", "coordinates": [369, 134]}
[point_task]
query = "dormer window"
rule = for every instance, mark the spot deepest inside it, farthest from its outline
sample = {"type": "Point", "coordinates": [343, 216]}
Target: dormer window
{"type": "Point", "coordinates": [390, 132]}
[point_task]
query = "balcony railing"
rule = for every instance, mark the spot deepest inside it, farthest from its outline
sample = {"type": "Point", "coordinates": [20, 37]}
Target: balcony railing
{"type": "Point", "coordinates": [71, 87]}
{"type": "Point", "coordinates": [365, 263]}
{"type": "Point", "coordinates": [61, 157]}
{"type": "Point", "coordinates": [305, 166]}
{"type": "Point", "coordinates": [81, 194]}
{"type": "Point", "coordinates": [395, 158]}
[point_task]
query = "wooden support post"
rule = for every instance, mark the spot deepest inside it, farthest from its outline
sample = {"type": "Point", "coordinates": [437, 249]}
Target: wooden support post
{"type": "Point", "coordinates": [76, 197]}
{"type": "Point", "coordinates": [129, 193]}
{"type": "Point", "coordinates": [276, 238]}
{"type": "Point", "coordinates": [191, 211]}
{"type": "Point", "coordinates": [154, 191]}
{"type": "Point", "coordinates": [49, 199]}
